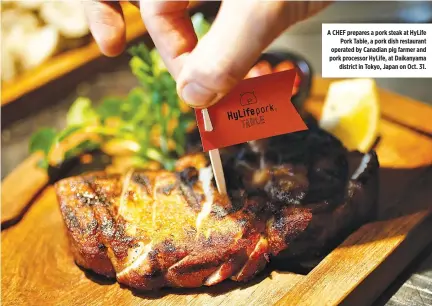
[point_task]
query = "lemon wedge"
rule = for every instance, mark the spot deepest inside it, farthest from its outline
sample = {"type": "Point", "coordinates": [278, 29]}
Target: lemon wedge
{"type": "Point", "coordinates": [351, 113]}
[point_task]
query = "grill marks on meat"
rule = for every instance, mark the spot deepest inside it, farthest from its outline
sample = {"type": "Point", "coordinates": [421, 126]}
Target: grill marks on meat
{"type": "Point", "coordinates": [152, 229]}
{"type": "Point", "coordinates": [87, 247]}
{"type": "Point", "coordinates": [147, 234]}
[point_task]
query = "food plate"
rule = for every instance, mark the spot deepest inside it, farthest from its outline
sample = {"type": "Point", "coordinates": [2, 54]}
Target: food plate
{"type": "Point", "coordinates": [37, 267]}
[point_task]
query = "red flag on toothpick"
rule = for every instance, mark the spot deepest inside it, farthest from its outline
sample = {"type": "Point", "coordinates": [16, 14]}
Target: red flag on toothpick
{"type": "Point", "coordinates": [256, 108]}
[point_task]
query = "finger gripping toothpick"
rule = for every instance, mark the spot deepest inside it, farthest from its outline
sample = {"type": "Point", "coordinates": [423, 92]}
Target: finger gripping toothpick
{"type": "Point", "coordinates": [215, 158]}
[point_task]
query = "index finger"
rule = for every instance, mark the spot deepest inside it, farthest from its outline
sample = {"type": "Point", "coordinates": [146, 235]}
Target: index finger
{"type": "Point", "coordinates": [107, 25]}
{"type": "Point", "coordinates": [171, 30]}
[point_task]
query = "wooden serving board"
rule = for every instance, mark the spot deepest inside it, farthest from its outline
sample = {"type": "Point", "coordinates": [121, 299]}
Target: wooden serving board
{"type": "Point", "coordinates": [37, 268]}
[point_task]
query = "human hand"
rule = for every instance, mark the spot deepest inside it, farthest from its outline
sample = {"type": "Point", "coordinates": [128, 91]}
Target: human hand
{"type": "Point", "coordinates": [207, 70]}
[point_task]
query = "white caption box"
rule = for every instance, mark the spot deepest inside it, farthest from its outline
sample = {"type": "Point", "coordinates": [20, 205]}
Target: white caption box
{"type": "Point", "coordinates": [365, 50]}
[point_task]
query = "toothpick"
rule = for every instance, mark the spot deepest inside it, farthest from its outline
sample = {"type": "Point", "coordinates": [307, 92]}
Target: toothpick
{"type": "Point", "coordinates": [208, 126]}
{"type": "Point", "coordinates": [215, 158]}
{"type": "Point", "coordinates": [216, 162]}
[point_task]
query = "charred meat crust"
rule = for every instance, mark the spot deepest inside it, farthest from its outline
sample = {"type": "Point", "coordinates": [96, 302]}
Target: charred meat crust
{"type": "Point", "coordinates": [152, 229]}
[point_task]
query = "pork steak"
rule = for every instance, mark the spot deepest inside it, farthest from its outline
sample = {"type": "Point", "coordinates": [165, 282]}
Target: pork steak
{"type": "Point", "coordinates": [289, 196]}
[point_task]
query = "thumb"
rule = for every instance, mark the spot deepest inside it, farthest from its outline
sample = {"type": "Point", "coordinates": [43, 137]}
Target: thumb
{"type": "Point", "coordinates": [239, 34]}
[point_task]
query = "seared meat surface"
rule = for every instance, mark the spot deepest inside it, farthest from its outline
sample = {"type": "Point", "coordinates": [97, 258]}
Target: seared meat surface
{"type": "Point", "coordinates": [288, 197]}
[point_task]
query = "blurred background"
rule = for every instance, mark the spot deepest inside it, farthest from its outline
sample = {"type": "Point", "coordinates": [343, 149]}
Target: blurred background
{"type": "Point", "coordinates": [48, 59]}
{"type": "Point", "coordinates": [305, 37]}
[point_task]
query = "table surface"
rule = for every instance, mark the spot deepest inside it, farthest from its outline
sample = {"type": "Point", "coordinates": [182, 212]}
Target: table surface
{"type": "Point", "coordinates": [414, 287]}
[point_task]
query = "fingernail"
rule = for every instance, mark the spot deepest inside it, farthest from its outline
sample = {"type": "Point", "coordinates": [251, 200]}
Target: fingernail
{"type": "Point", "coordinates": [197, 96]}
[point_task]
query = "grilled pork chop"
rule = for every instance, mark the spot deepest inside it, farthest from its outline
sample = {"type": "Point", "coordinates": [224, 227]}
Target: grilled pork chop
{"type": "Point", "coordinates": [288, 197]}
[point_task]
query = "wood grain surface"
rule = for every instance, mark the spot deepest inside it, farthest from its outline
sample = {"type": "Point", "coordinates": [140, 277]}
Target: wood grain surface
{"type": "Point", "coordinates": [37, 268]}
{"type": "Point", "coordinates": [19, 188]}
{"type": "Point", "coordinates": [416, 286]}
{"type": "Point", "coordinates": [349, 267]}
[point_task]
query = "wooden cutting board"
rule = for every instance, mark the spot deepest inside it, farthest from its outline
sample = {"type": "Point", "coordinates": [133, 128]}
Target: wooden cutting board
{"type": "Point", "coordinates": [37, 268]}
